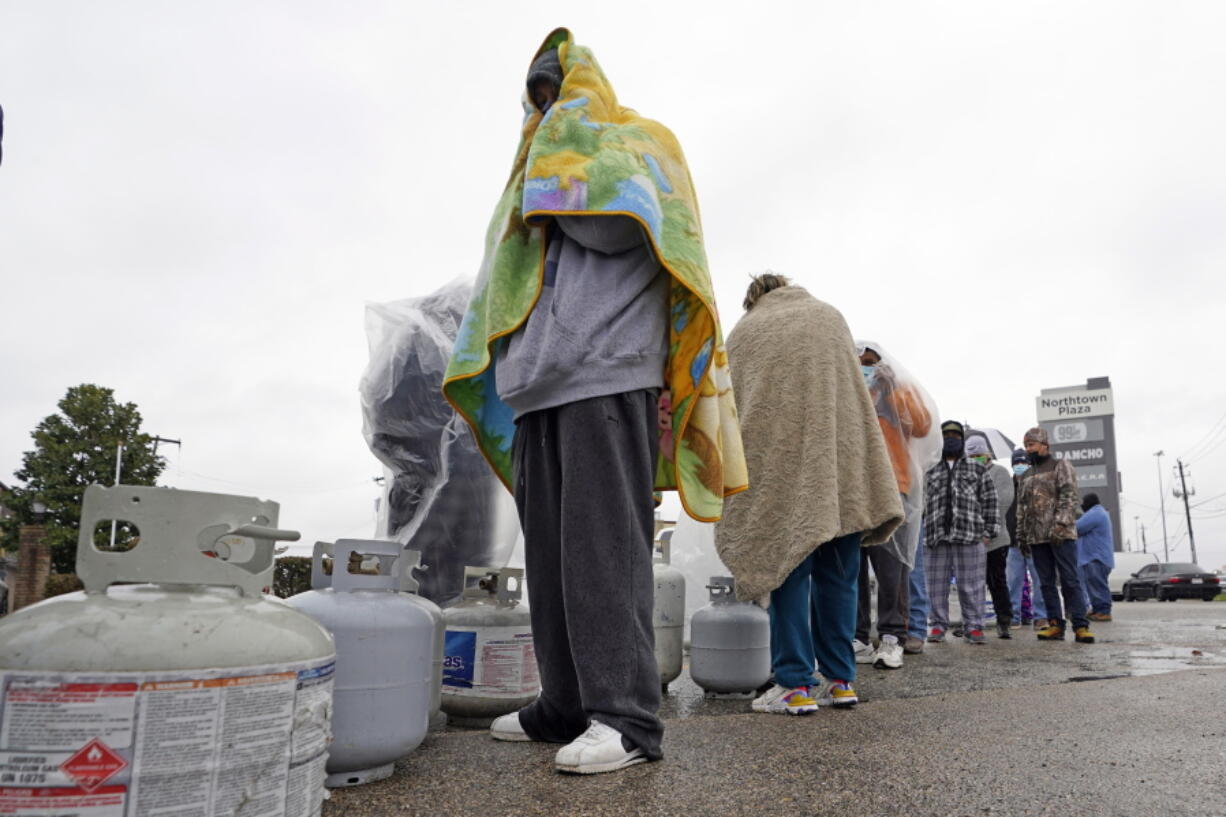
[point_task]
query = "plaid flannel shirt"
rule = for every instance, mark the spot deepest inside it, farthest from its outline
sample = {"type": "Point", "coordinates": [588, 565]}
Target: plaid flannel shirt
{"type": "Point", "coordinates": [965, 494]}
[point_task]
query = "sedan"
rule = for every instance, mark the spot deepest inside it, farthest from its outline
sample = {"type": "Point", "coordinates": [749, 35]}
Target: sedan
{"type": "Point", "coordinates": [1170, 581]}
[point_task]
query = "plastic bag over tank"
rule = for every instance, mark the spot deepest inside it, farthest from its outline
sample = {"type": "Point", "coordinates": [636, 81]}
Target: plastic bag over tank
{"type": "Point", "coordinates": [441, 498]}
{"type": "Point", "coordinates": [910, 423]}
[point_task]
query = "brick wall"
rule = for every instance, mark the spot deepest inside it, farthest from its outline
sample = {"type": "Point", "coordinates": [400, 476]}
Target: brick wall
{"type": "Point", "coordinates": [33, 567]}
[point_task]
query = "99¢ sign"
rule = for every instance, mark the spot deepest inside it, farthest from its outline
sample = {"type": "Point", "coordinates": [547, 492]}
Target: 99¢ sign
{"type": "Point", "coordinates": [1069, 433]}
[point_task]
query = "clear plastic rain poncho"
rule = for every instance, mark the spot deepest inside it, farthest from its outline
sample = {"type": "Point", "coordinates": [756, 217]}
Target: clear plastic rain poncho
{"type": "Point", "coordinates": [440, 496]}
{"type": "Point", "coordinates": [910, 422]}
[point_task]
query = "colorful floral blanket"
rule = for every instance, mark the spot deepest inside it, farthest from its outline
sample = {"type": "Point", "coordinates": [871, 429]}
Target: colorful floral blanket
{"type": "Point", "coordinates": [590, 156]}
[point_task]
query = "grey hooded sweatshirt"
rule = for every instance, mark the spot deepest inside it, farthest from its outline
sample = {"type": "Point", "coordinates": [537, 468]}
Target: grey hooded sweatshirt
{"type": "Point", "coordinates": [601, 324]}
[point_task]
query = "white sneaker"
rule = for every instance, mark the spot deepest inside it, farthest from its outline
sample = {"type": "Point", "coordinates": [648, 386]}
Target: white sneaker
{"type": "Point", "coordinates": [780, 700]}
{"type": "Point", "coordinates": [508, 727]}
{"type": "Point", "coordinates": [865, 654]}
{"type": "Point", "coordinates": [597, 750]}
{"type": "Point", "coordinates": [889, 653]}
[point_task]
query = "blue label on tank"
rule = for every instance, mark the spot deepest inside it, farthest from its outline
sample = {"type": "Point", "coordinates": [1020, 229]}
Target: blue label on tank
{"type": "Point", "coordinates": [459, 659]}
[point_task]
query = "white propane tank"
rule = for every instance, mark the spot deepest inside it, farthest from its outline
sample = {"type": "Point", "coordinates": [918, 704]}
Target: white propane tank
{"type": "Point", "coordinates": [668, 612]}
{"type": "Point", "coordinates": [490, 665]}
{"type": "Point", "coordinates": [411, 586]}
{"type": "Point", "coordinates": [189, 692]}
{"type": "Point", "coordinates": [384, 658]}
{"type": "Point", "coordinates": [730, 643]}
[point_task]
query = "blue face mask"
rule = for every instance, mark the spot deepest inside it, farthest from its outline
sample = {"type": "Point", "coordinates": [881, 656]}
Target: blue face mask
{"type": "Point", "coordinates": [1020, 469]}
{"type": "Point", "coordinates": [870, 374]}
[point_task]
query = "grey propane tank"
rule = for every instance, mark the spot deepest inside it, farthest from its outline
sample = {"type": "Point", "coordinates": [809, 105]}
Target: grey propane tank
{"type": "Point", "coordinates": [490, 665]}
{"type": "Point", "coordinates": [730, 642]}
{"type": "Point", "coordinates": [668, 611]}
{"type": "Point", "coordinates": [189, 689]}
{"type": "Point", "coordinates": [384, 658]}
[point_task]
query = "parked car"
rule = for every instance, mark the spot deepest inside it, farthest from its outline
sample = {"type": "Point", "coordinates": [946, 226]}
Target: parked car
{"type": "Point", "coordinates": [1126, 565]}
{"type": "Point", "coordinates": [1170, 581]}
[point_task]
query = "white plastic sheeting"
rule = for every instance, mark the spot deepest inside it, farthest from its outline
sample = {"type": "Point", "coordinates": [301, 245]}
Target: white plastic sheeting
{"type": "Point", "coordinates": [901, 403]}
{"type": "Point", "coordinates": [441, 498]}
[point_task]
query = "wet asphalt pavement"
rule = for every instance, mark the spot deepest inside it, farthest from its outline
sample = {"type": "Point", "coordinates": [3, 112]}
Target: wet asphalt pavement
{"type": "Point", "coordinates": [1132, 725]}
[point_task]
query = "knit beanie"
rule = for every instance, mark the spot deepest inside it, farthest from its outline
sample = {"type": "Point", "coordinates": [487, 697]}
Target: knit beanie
{"type": "Point", "coordinates": [977, 445]}
{"type": "Point", "coordinates": [546, 67]}
{"type": "Point", "coordinates": [1037, 434]}
{"type": "Point", "coordinates": [1019, 456]}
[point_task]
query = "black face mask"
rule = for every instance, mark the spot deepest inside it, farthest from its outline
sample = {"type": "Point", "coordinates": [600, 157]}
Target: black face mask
{"type": "Point", "coordinates": [1036, 458]}
{"type": "Point", "coordinates": [952, 447]}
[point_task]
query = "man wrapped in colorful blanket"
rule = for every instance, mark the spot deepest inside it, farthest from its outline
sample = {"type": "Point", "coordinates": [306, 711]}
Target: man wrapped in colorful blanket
{"type": "Point", "coordinates": [591, 368]}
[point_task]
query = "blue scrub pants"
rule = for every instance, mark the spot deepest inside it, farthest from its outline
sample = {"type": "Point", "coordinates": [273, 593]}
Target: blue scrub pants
{"type": "Point", "coordinates": [1099, 591]}
{"type": "Point", "coordinates": [813, 615]}
{"type": "Point", "coordinates": [917, 622]}
{"type": "Point", "coordinates": [1015, 571]}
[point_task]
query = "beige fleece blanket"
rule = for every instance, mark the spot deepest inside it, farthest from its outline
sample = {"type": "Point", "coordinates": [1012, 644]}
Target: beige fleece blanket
{"type": "Point", "coordinates": [818, 465]}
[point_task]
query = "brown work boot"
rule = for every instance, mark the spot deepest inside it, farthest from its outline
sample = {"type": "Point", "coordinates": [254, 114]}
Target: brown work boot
{"type": "Point", "coordinates": [1099, 616]}
{"type": "Point", "coordinates": [1040, 623]}
{"type": "Point", "coordinates": [913, 645]}
{"type": "Point", "coordinates": [1054, 631]}
{"type": "Point", "coordinates": [1081, 635]}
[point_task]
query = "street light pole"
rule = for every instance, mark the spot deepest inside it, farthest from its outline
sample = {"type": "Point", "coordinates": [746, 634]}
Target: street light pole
{"type": "Point", "coordinates": [1166, 550]}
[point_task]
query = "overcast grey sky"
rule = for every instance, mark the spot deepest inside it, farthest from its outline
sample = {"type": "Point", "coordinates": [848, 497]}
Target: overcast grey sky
{"type": "Point", "coordinates": [197, 199]}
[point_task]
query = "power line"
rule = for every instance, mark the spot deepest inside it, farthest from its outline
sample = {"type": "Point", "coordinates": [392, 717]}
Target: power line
{"type": "Point", "coordinates": [1212, 430]}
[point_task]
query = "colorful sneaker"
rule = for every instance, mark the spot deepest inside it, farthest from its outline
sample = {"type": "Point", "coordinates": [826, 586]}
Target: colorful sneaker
{"type": "Point", "coordinates": [780, 700]}
{"type": "Point", "coordinates": [838, 694]}
{"type": "Point", "coordinates": [599, 749]}
{"type": "Point", "coordinates": [936, 636]}
{"type": "Point", "coordinates": [889, 654]}
{"type": "Point", "coordinates": [865, 654]}
{"type": "Point", "coordinates": [1082, 635]}
{"type": "Point", "coordinates": [1054, 631]}
{"type": "Point", "coordinates": [975, 637]}
{"type": "Point", "coordinates": [914, 645]}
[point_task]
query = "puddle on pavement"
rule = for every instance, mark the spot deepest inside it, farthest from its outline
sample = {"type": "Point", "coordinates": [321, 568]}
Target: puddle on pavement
{"type": "Point", "coordinates": [1171, 659]}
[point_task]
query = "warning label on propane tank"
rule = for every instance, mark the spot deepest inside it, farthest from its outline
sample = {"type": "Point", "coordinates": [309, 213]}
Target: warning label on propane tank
{"type": "Point", "coordinates": [497, 662]}
{"type": "Point", "coordinates": [144, 744]}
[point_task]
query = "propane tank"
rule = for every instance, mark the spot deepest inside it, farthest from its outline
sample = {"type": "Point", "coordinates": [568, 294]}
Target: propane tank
{"type": "Point", "coordinates": [668, 612]}
{"type": "Point", "coordinates": [410, 585]}
{"type": "Point", "coordinates": [730, 642]}
{"type": "Point", "coordinates": [384, 658]}
{"type": "Point", "coordinates": [490, 665]}
{"type": "Point", "coordinates": [189, 689]}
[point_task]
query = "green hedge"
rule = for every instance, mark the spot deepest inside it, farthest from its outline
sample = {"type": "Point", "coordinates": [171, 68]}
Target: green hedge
{"type": "Point", "coordinates": [60, 583]}
{"type": "Point", "coordinates": [291, 576]}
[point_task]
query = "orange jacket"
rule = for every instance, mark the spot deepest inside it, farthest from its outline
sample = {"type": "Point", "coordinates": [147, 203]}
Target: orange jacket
{"type": "Point", "coordinates": [902, 415]}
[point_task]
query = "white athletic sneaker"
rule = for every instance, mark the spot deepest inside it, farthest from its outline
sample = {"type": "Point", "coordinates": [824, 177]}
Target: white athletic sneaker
{"type": "Point", "coordinates": [779, 700]}
{"type": "Point", "coordinates": [597, 750]}
{"type": "Point", "coordinates": [508, 727]}
{"type": "Point", "coordinates": [865, 654]}
{"type": "Point", "coordinates": [889, 653]}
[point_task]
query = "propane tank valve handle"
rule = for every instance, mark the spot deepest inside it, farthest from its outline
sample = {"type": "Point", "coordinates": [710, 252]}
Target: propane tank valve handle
{"type": "Point", "coordinates": [261, 532]}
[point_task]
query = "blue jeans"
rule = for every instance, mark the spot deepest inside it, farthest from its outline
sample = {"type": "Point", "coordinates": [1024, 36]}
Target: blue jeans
{"type": "Point", "coordinates": [1057, 562]}
{"type": "Point", "coordinates": [1099, 591]}
{"type": "Point", "coordinates": [813, 615]}
{"type": "Point", "coordinates": [1015, 569]}
{"type": "Point", "coordinates": [917, 622]}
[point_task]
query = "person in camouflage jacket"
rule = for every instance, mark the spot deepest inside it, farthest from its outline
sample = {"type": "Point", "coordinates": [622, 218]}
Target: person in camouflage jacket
{"type": "Point", "coordinates": [1047, 509]}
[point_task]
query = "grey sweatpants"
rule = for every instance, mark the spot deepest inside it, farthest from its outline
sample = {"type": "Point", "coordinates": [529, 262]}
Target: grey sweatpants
{"type": "Point", "coordinates": [583, 485]}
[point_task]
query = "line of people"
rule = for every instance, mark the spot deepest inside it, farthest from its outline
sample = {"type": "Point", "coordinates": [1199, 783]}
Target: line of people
{"type": "Point", "coordinates": [591, 371]}
{"type": "Point", "coordinates": [836, 488]}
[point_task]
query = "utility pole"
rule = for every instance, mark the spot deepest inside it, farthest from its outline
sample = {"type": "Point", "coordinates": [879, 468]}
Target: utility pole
{"type": "Point", "coordinates": [1136, 527]}
{"type": "Point", "coordinates": [1166, 550]}
{"type": "Point", "coordinates": [157, 439]}
{"type": "Point", "coordinates": [1186, 509]}
{"type": "Point", "coordinates": [1143, 545]}
{"type": "Point", "coordinates": [118, 468]}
